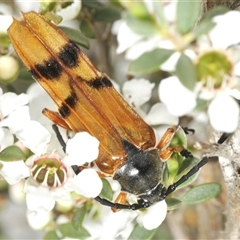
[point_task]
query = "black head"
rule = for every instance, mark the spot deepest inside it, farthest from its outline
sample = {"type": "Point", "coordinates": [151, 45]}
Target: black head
{"type": "Point", "coordinates": [141, 174]}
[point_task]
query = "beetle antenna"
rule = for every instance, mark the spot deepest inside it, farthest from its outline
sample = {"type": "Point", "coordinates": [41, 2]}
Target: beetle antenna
{"type": "Point", "coordinates": [185, 177]}
{"type": "Point", "coordinates": [63, 144]}
{"type": "Point", "coordinates": [195, 169]}
{"type": "Point", "coordinates": [59, 137]}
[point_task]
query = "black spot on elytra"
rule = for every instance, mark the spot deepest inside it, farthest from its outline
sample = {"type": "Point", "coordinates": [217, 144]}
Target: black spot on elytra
{"type": "Point", "coordinates": [71, 100]}
{"type": "Point", "coordinates": [48, 69]}
{"type": "Point", "coordinates": [99, 83]}
{"type": "Point", "coordinates": [69, 54]}
{"type": "Point", "coordinates": [68, 103]}
{"type": "Point", "coordinates": [64, 110]}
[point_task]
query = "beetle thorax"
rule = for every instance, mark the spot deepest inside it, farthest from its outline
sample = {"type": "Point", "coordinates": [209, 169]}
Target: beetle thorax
{"type": "Point", "coordinates": [141, 173]}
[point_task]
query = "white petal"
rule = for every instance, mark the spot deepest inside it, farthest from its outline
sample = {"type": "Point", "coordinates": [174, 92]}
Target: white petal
{"type": "Point", "coordinates": [38, 197]}
{"type": "Point", "coordinates": [80, 149]}
{"type": "Point", "coordinates": [11, 101]}
{"type": "Point", "coordinates": [159, 114]}
{"type": "Point", "coordinates": [35, 137]}
{"type": "Point", "coordinates": [38, 203]}
{"type": "Point", "coordinates": [155, 215]}
{"type": "Point", "coordinates": [17, 120]}
{"type": "Point", "coordinates": [227, 24]}
{"type": "Point", "coordinates": [6, 138]}
{"type": "Point", "coordinates": [38, 219]}
{"type": "Point", "coordinates": [6, 21]}
{"type": "Point", "coordinates": [170, 11]}
{"type": "Point", "coordinates": [121, 220]}
{"type": "Point", "coordinates": [178, 99]}
{"type": "Point", "coordinates": [137, 91]}
{"type": "Point", "coordinates": [71, 11]}
{"type": "Point", "coordinates": [14, 171]}
{"type": "Point", "coordinates": [27, 5]}
{"type": "Point", "coordinates": [87, 183]}
{"type": "Point", "coordinates": [141, 47]}
{"type": "Point", "coordinates": [170, 64]}
{"type": "Point", "coordinates": [126, 42]}
{"type": "Point", "coordinates": [223, 113]}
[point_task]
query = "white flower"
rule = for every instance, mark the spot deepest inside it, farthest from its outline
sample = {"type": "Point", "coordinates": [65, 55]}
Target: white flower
{"type": "Point", "coordinates": [227, 24]}
{"type": "Point", "coordinates": [135, 44]}
{"type": "Point", "coordinates": [57, 179]}
{"type": "Point", "coordinates": [86, 183]}
{"type": "Point", "coordinates": [14, 171]}
{"type": "Point", "coordinates": [178, 99]}
{"type": "Point", "coordinates": [81, 148]}
{"type": "Point", "coordinates": [6, 21]}
{"type": "Point", "coordinates": [6, 138]}
{"type": "Point", "coordinates": [40, 198]}
{"type": "Point", "coordinates": [71, 11]}
{"type": "Point", "coordinates": [154, 215]}
{"type": "Point", "coordinates": [38, 220]}
{"type": "Point", "coordinates": [159, 114]}
{"type": "Point", "coordinates": [35, 137]}
{"type": "Point", "coordinates": [14, 116]}
{"type": "Point", "coordinates": [223, 113]}
{"type": "Point", "coordinates": [137, 92]}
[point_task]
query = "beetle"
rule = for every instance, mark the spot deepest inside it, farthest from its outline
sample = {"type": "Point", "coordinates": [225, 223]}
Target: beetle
{"type": "Point", "coordinates": [87, 101]}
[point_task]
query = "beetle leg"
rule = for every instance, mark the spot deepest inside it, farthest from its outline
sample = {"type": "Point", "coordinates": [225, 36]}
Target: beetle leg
{"type": "Point", "coordinates": [135, 206]}
{"type": "Point", "coordinates": [55, 118]}
{"type": "Point", "coordinates": [121, 199]}
{"type": "Point", "coordinates": [167, 137]}
{"type": "Point", "coordinates": [167, 152]}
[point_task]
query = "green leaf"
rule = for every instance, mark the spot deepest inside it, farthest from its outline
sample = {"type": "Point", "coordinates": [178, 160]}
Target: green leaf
{"type": "Point", "coordinates": [107, 14]}
{"type": "Point", "coordinates": [25, 75]}
{"type": "Point", "coordinates": [136, 8]}
{"type": "Point", "coordinates": [78, 216]}
{"type": "Point", "coordinates": [187, 14]}
{"type": "Point", "coordinates": [179, 138]}
{"type": "Point", "coordinates": [51, 235]}
{"type": "Point", "coordinates": [76, 36]}
{"type": "Point", "coordinates": [93, 4]}
{"type": "Point", "coordinates": [150, 61]}
{"type": "Point", "coordinates": [159, 12]}
{"type": "Point", "coordinates": [219, 10]}
{"type": "Point", "coordinates": [145, 27]}
{"type": "Point", "coordinates": [67, 230]}
{"type": "Point", "coordinates": [12, 153]}
{"type": "Point", "coordinates": [203, 28]}
{"type": "Point", "coordinates": [4, 40]}
{"type": "Point", "coordinates": [106, 192]}
{"type": "Point", "coordinates": [142, 233]}
{"type": "Point", "coordinates": [173, 203]}
{"type": "Point", "coordinates": [201, 193]}
{"type": "Point", "coordinates": [87, 29]}
{"type": "Point", "coordinates": [186, 72]}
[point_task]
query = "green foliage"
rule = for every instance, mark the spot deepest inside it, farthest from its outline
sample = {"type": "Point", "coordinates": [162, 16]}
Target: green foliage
{"type": "Point", "coordinates": [145, 27]}
{"type": "Point", "coordinates": [186, 71]}
{"type": "Point", "coordinates": [173, 203]}
{"type": "Point", "coordinates": [201, 193]}
{"type": "Point", "coordinates": [106, 192]}
{"type": "Point", "coordinates": [67, 230]}
{"type": "Point", "coordinates": [87, 28]}
{"type": "Point", "coordinates": [51, 235]}
{"type": "Point", "coordinates": [93, 4]}
{"type": "Point", "coordinates": [187, 13]}
{"type": "Point", "coordinates": [107, 14]}
{"type": "Point", "coordinates": [142, 233]}
{"type": "Point", "coordinates": [76, 36]}
{"type": "Point", "coordinates": [12, 153]}
{"type": "Point", "coordinates": [150, 61]}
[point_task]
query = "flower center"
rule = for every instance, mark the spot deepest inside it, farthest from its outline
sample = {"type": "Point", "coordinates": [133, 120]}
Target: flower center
{"type": "Point", "coordinates": [49, 172]}
{"type": "Point", "coordinates": [212, 68]}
